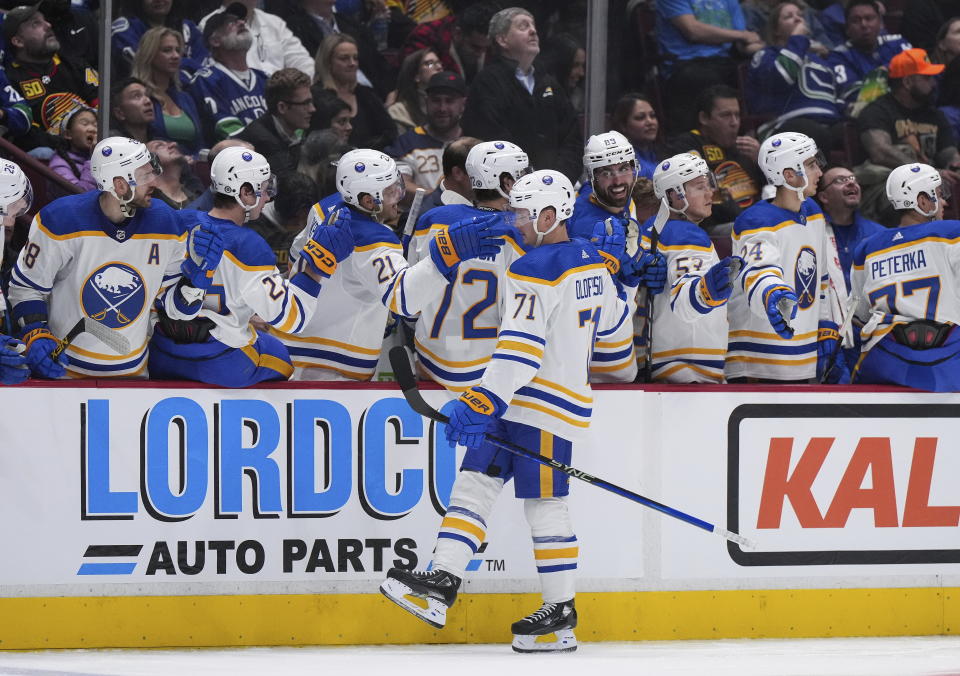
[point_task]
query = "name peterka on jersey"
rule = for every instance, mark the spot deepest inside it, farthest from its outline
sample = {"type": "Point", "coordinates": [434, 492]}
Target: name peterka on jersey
{"type": "Point", "coordinates": [589, 286]}
{"type": "Point", "coordinates": [899, 263]}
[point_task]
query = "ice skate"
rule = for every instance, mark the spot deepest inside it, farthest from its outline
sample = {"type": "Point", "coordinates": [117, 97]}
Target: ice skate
{"type": "Point", "coordinates": [532, 633]}
{"type": "Point", "coordinates": [426, 594]}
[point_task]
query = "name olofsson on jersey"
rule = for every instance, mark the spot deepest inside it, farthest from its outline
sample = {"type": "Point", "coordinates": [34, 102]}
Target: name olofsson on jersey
{"type": "Point", "coordinates": [589, 286]}
{"type": "Point", "coordinates": [901, 262]}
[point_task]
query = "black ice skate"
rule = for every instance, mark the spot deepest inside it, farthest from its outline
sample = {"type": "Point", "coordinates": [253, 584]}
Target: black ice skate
{"type": "Point", "coordinates": [436, 588]}
{"type": "Point", "coordinates": [552, 618]}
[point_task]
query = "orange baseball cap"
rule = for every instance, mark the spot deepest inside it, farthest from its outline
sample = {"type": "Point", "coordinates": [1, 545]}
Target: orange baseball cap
{"type": "Point", "coordinates": [913, 62]}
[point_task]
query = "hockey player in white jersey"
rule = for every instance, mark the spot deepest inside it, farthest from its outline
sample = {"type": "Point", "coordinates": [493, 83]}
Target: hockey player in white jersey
{"type": "Point", "coordinates": [559, 299]}
{"type": "Point", "coordinates": [107, 255]}
{"type": "Point", "coordinates": [690, 322]}
{"type": "Point", "coordinates": [344, 338]}
{"type": "Point", "coordinates": [16, 198]}
{"type": "Point", "coordinates": [457, 332]}
{"type": "Point", "coordinates": [905, 282]}
{"type": "Point", "coordinates": [220, 346]}
{"type": "Point", "coordinates": [781, 327]}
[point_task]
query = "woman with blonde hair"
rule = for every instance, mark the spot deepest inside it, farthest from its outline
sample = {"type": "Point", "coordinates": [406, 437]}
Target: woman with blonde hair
{"type": "Point", "coordinates": [157, 64]}
{"type": "Point", "coordinates": [336, 76]}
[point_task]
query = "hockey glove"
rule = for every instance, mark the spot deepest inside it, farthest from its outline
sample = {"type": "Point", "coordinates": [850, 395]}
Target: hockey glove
{"type": "Point", "coordinates": [13, 365]}
{"type": "Point", "coordinates": [474, 237]}
{"type": "Point", "coordinates": [781, 301]}
{"type": "Point", "coordinates": [831, 365]}
{"type": "Point", "coordinates": [648, 269]}
{"type": "Point", "coordinates": [471, 414]}
{"type": "Point", "coordinates": [40, 343]}
{"type": "Point", "coordinates": [205, 249]}
{"type": "Point", "coordinates": [611, 241]}
{"type": "Point", "coordinates": [715, 286]}
{"type": "Point", "coordinates": [330, 244]}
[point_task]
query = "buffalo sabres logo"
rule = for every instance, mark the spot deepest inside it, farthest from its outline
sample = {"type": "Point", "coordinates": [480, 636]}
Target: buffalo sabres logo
{"type": "Point", "coordinates": [805, 277]}
{"type": "Point", "coordinates": [114, 295]}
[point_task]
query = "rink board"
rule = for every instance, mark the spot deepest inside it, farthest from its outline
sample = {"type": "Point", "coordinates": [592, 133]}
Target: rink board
{"type": "Point", "coordinates": [177, 515]}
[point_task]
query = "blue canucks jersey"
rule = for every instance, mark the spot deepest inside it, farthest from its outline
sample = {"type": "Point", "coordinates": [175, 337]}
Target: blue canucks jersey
{"type": "Point", "coordinates": [792, 82]}
{"type": "Point", "coordinates": [127, 31]}
{"type": "Point", "coordinates": [228, 102]}
{"type": "Point", "coordinates": [852, 68]}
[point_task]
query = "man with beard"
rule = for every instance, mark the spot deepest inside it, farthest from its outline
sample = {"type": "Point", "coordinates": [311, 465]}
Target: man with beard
{"type": "Point", "coordinates": [904, 126]}
{"type": "Point", "coordinates": [40, 75]}
{"type": "Point", "coordinates": [419, 152]}
{"type": "Point", "coordinates": [230, 92]}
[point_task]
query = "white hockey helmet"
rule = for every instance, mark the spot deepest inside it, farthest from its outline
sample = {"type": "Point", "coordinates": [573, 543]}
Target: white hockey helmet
{"type": "Point", "coordinates": [674, 173]}
{"type": "Point", "coordinates": [788, 150]}
{"type": "Point", "coordinates": [368, 171]}
{"type": "Point", "coordinates": [906, 182]}
{"type": "Point", "coordinates": [121, 157]}
{"type": "Point", "coordinates": [233, 167]}
{"type": "Point", "coordinates": [488, 160]}
{"type": "Point", "coordinates": [540, 190]}
{"type": "Point", "coordinates": [16, 192]}
{"type": "Point", "coordinates": [603, 150]}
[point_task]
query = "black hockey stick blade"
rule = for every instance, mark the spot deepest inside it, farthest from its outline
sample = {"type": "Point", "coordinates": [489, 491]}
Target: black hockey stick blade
{"type": "Point", "coordinates": [408, 384]}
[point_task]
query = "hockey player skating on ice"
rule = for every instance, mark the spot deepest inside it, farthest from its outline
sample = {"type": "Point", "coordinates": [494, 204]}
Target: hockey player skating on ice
{"type": "Point", "coordinates": [905, 280]}
{"type": "Point", "coordinates": [343, 339]}
{"type": "Point", "coordinates": [690, 322]}
{"type": "Point", "coordinates": [559, 299]}
{"type": "Point", "coordinates": [781, 327]}
{"type": "Point", "coordinates": [16, 198]}
{"type": "Point", "coordinates": [220, 346]}
{"type": "Point", "coordinates": [107, 255]}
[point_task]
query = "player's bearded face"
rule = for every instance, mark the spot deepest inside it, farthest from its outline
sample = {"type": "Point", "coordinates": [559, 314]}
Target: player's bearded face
{"type": "Point", "coordinates": [146, 178]}
{"type": "Point", "coordinates": [614, 183]}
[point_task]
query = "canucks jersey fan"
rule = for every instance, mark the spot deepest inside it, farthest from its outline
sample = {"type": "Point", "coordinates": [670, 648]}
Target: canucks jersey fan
{"type": "Point", "coordinates": [785, 278]}
{"type": "Point", "coordinates": [689, 336]}
{"type": "Point", "coordinates": [220, 346]}
{"type": "Point", "coordinates": [107, 255]}
{"type": "Point", "coordinates": [16, 198]}
{"type": "Point", "coordinates": [456, 333]}
{"type": "Point", "coordinates": [905, 280]}
{"type": "Point", "coordinates": [344, 338]}
{"type": "Point", "coordinates": [559, 298]}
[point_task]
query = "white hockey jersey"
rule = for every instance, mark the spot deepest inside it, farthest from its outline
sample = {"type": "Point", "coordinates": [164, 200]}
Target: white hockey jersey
{"type": "Point", "coordinates": [457, 332]}
{"type": "Point", "coordinates": [780, 248]}
{"type": "Point", "coordinates": [560, 299]}
{"type": "Point", "coordinates": [689, 333]}
{"type": "Point", "coordinates": [904, 274]}
{"type": "Point", "coordinates": [78, 264]}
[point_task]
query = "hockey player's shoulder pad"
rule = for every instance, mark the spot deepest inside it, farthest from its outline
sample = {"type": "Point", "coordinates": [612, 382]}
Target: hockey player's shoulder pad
{"type": "Point", "coordinates": [160, 218]}
{"type": "Point", "coordinates": [810, 208]}
{"type": "Point", "coordinates": [684, 235]}
{"type": "Point", "coordinates": [446, 214]}
{"type": "Point", "coordinates": [71, 214]}
{"type": "Point", "coordinates": [369, 233]}
{"type": "Point", "coordinates": [760, 215]}
{"type": "Point", "coordinates": [247, 248]}
{"type": "Point", "coordinates": [550, 262]}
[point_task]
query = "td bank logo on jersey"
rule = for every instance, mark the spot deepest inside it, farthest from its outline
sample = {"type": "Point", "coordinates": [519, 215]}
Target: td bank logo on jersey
{"type": "Point", "coordinates": [844, 484]}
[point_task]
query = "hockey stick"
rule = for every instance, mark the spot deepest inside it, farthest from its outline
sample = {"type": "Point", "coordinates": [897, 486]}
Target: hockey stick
{"type": "Point", "coordinates": [648, 302]}
{"type": "Point", "coordinates": [408, 384]}
{"type": "Point", "coordinates": [412, 217]}
{"type": "Point", "coordinates": [114, 340]}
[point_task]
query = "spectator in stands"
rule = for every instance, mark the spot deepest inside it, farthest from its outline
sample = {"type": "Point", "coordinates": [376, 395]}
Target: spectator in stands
{"type": "Point", "coordinates": [634, 117]}
{"type": "Point", "coordinates": [273, 46]}
{"type": "Point", "coordinates": [731, 157]}
{"type": "Point", "coordinates": [460, 40]}
{"type": "Point", "coordinates": [229, 92]}
{"type": "Point", "coordinates": [859, 63]}
{"type": "Point", "coordinates": [78, 133]}
{"type": "Point", "coordinates": [278, 135]}
{"type": "Point", "coordinates": [419, 152]}
{"type": "Point", "coordinates": [139, 16]}
{"type": "Point", "coordinates": [15, 113]}
{"type": "Point", "coordinates": [790, 80]}
{"type": "Point", "coordinates": [205, 201]}
{"type": "Point", "coordinates": [175, 114]}
{"type": "Point", "coordinates": [132, 111]}
{"type": "Point", "coordinates": [332, 114]}
{"type": "Point", "coordinates": [409, 108]}
{"type": "Point", "coordinates": [336, 76]}
{"type": "Point", "coordinates": [285, 215]}
{"type": "Point", "coordinates": [758, 15]}
{"type": "Point", "coordinates": [320, 150]}
{"type": "Point", "coordinates": [946, 45]}
{"type": "Point", "coordinates": [513, 101]}
{"type": "Point", "coordinates": [699, 40]}
{"type": "Point", "coordinates": [177, 186]}
{"type": "Point", "coordinates": [455, 187]}
{"type": "Point", "coordinates": [903, 126]}
{"type": "Point", "coordinates": [921, 25]}
{"type": "Point", "coordinates": [75, 27]}
{"type": "Point", "coordinates": [947, 49]}
{"type": "Point", "coordinates": [40, 75]}
{"type": "Point", "coordinates": [566, 60]}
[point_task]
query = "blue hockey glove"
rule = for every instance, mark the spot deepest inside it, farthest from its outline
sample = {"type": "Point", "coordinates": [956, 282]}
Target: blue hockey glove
{"type": "Point", "coordinates": [471, 414]}
{"type": "Point", "coordinates": [13, 365]}
{"type": "Point", "coordinates": [330, 244]}
{"type": "Point", "coordinates": [831, 365]}
{"type": "Point", "coordinates": [205, 249]}
{"type": "Point", "coordinates": [610, 239]}
{"type": "Point", "coordinates": [474, 237]}
{"type": "Point", "coordinates": [40, 343]}
{"type": "Point", "coordinates": [716, 285]}
{"type": "Point", "coordinates": [648, 269]}
{"type": "Point", "coordinates": [779, 298]}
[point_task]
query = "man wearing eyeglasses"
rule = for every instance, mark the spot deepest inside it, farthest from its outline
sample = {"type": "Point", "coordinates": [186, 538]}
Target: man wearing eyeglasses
{"type": "Point", "coordinates": [278, 134]}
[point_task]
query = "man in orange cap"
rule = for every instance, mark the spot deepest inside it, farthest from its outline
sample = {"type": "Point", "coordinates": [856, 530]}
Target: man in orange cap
{"type": "Point", "coordinates": [905, 126]}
